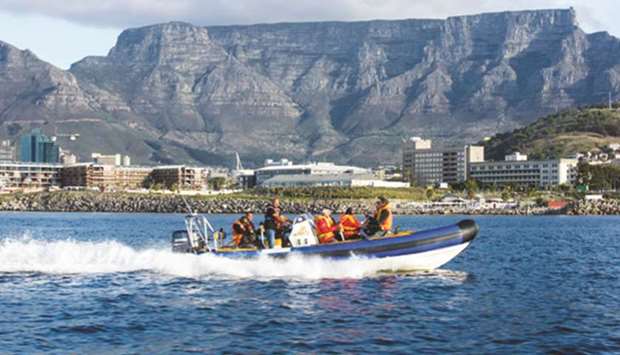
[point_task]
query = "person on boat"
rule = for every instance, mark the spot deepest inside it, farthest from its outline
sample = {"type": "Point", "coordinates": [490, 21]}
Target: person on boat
{"type": "Point", "coordinates": [350, 226]}
{"type": "Point", "coordinates": [326, 227]}
{"type": "Point", "coordinates": [381, 222]}
{"type": "Point", "coordinates": [243, 231]}
{"type": "Point", "coordinates": [275, 223]}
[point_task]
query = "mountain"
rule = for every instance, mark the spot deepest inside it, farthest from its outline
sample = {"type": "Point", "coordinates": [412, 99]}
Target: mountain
{"type": "Point", "coordinates": [343, 91]}
{"type": "Point", "coordinates": [559, 135]}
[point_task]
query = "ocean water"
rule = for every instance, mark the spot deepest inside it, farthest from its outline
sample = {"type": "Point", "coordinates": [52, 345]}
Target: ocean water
{"type": "Point", "coordinates": [108, 284]}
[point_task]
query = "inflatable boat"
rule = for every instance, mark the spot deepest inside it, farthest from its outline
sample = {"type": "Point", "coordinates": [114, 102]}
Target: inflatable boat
{"type": "Point", "coordinates": [406, 250]}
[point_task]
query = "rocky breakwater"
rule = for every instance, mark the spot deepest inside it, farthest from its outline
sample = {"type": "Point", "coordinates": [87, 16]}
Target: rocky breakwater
{"type": "Point", "coordinates": [108, 202]}
{"type": "Point", "coordinates": [601, 207]}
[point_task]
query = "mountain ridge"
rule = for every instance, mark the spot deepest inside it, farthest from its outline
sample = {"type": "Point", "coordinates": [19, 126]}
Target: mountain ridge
{"type": "Point", "coordinates": [343, 91]}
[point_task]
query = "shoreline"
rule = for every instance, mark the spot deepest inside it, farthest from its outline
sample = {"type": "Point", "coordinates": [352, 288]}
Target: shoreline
{"type": "Point", "coordinates": [152, 203]}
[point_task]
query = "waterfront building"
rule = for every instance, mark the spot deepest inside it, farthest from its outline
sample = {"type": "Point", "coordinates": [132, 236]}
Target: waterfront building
{"type": "Point", "coordinates": [37, 147]}
{"type": "Point", "coordinates": [340, 180]}
{"type": "Point", "coordinates": [7, 151]}
{"type": "Point", "coordinates": [514, 170]}
{"type": "Point", "coordinates": [104, 177]}
{"type": "Point", "coordinates": [111, 159]}
{"type": "Point", "coordinates": [423, 165]}
{"type": "Point", "coordinates": [27, 175]}
{"type": "Point", "coordinates": [179, 176]}
{"type": "Point", "coordinates": [285, 167]}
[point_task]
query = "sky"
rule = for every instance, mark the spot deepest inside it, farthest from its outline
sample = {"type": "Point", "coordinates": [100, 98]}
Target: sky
{"type": "Point", "coordinates": [64, 31]}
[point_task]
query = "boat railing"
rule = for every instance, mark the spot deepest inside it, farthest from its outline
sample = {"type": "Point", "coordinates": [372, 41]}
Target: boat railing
{"type": "Point", "coordinates": [201, 234]}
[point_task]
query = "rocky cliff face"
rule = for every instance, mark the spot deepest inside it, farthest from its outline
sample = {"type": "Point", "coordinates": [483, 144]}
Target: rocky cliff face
{"type": "Point", "coordinates": [342, 91]}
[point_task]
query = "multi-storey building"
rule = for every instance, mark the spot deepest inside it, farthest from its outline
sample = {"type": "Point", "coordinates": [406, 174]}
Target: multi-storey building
{"type": "Point", "coordinates": [22, 175]}
{"type": "Point", "coordinates": [90, 175]}
{"type": "Point", "coordinates": [423, 165]}
{"type": "Point", "coordinates": [179, 176]}
{"type": "Point", "coordinates": [517, 170]}
{"type": "Point", "coordinates": [7, 151]}
{"type": "Point", "coordinates": [286, 167]}
{"type": "Point", "coordinates": [37, 147]}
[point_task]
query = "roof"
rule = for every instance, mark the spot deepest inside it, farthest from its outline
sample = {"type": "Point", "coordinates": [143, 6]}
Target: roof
{"type": "Point", "coordinates": [325, 166]}
{"type": "Point", "coordinates": [318, 178]}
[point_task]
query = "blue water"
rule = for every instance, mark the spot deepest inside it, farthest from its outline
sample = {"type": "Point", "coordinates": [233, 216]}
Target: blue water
{"type": "Point", "coordinates": [106, 283]}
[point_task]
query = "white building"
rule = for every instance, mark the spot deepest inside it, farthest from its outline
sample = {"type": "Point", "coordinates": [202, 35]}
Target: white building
{"type": "Point", "coordinates": [341, 180]}
{"type": "Point", "coordinates": [288, 168]}
{"type": "Point", "coordinates": [513, 171]}
{"type": "Point", "coordinates": [423, 165]}
{"type": "Point", "coordinates": [111, 159]}
{"type": "Point", "coordinates": [7, 151]}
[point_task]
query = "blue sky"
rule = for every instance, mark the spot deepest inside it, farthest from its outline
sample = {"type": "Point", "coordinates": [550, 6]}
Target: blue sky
{"type": "Point", "coordinates": [64, 31]}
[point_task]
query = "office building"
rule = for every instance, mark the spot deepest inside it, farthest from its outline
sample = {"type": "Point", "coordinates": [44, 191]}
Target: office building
{"type": "Point", "coordinates": [423, 165]}
{"type": "Point", "coordinates": [37, 147]}
{"type": "Point", "coordinates": [111, 159]}
{"type": "Point", "coordinates": [285, 167]}
{"type": "Point", "coordinates": [517, 170]}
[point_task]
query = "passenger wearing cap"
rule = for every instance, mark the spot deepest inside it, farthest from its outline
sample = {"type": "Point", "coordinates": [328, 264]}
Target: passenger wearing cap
{"type": "Point", "coordinates": [326, 227]}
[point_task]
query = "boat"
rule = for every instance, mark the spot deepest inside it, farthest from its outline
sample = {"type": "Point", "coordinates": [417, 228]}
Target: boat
{"type": "Point", "coordinates": [402, 250]}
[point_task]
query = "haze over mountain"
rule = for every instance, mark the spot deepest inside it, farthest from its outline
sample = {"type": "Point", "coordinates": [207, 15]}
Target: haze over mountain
{"type": "Point", "coordinates": [344, 91]}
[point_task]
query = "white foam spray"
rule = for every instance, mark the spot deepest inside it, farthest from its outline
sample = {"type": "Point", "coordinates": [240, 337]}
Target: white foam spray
{"type": "Point", "coordinates": [82, 257]}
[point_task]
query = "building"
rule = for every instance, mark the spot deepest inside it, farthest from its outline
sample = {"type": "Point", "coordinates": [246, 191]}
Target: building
{"type": "Point", "coordinates": [423, 165]}
{"type": "Point", "coordinates": [341, 180]}
{"type": "Point", "coordinates": [111, 159]}
{"type": "Point", "coordinates": [25, 175]}
{"type": "Point", "coordinates": [104, 177]}
{"type": "Point", "coordinates": [7, 151]}
{"type": "Point", "coordinates": [37, 147]}
{"type": "Point", "coordinates": [179, 177]}
{"type": "Point", "coordinates": [285, 167]}
{"type": "Point", "coordinates": [514, 170]}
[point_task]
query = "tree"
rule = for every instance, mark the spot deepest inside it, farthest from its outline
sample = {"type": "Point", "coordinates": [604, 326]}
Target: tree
{"type": "Point", "coordinates": [471, 186]}
{"type": "Point", "coordinates": [216, 183]}
{"type": "Point", "coordinates": [429, 194]}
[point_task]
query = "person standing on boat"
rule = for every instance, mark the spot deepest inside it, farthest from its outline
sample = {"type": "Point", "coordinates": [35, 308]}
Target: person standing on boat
{"type": "Point", "coordinates": [243, 231]}
{"type": "Point", "coordinates": [274, 222]}
{"type": "Point", "coordinates": [350, 225]}
{"type": "Point", "coordinates": [326, 227]}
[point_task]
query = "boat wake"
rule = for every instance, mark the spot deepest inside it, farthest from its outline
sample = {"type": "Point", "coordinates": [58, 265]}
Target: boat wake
{"type": "Point", "coordinates": [83, 257]}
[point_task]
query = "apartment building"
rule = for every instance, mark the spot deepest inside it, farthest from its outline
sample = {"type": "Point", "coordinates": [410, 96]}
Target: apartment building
{"type": "Point", "coordinates": [423, 165]}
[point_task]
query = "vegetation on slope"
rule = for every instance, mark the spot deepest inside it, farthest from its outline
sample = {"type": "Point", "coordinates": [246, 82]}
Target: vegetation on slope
{"type": "Point", "coordinates": [559, 135]}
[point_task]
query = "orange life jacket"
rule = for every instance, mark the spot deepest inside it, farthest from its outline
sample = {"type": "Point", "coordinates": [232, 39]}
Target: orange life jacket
{"type": "Point", "coordinates": [325, 227]}
{"type": "Point", "coordinates": [237, 237]}
{"type": "Point", "coordinates": [387, 224]}
{"type": "Point", "coordinates": [350, 225]}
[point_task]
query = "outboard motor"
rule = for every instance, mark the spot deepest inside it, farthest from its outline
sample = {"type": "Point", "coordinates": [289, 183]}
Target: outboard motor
{"type": "Point", "coordinates": [180, 242]}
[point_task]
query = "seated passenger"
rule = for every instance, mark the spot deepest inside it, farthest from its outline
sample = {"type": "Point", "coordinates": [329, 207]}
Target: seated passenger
{"type": "Point", "coordinates": [381, 222]}
{"type": "Point", "coordinates": [243, 232]}
{"type": "Point", "coordinates": [350, 225]}
{"type": "Point", "coordinates": [326, 227]}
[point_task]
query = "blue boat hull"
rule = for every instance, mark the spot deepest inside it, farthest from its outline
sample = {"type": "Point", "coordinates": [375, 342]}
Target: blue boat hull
{"type": "Point", "coordinates": [429, 244]}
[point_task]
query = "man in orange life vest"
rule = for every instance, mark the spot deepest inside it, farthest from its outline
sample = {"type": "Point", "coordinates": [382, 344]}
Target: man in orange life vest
{"type": "Point", "coordinates": [326, 227]}
{"type": "Point", "coordinates": [350, 225]}
{"type": "Point", "coordinates": [381, 222]}
{"type": "Point", "coordinates": [243, 232]}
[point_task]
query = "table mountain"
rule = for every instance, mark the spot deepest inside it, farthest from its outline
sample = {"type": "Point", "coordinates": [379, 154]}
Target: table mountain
{"type": "Point", "coordinates": [344, 91]}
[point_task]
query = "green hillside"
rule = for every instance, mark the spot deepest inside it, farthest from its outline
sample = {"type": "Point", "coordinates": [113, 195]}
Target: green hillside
{"type": "Point", "coordinates": [559, 135]}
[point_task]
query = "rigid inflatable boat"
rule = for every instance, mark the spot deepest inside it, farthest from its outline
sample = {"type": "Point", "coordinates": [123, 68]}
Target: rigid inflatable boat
{"type": "Point", "coordinates": [406, 250]}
